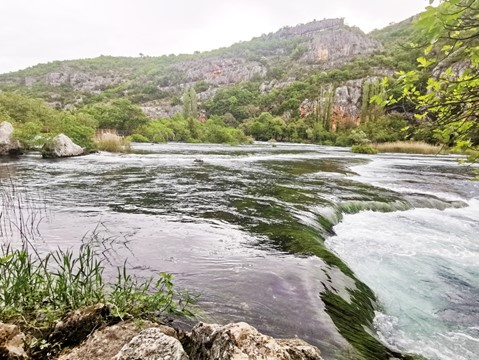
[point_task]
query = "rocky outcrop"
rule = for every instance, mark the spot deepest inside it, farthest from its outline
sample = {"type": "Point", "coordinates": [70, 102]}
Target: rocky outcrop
{"type": "Point", "coordinates": [8, 145]}
{"type": "Point", "coordinates": [347, 98]}
{"type": "Point", "coordinates": [242, 341]}
{"type": "Point", "coordinates": [219, 71]}
{"type": "Point", "coordinates": [12, 343]}
{"type": "Point", "coordinates": [146, 340]}
{"type": "Point", "coordinates": [61, 146]}
{"type": "Point", "coordinates": [152, 344]}
{"type": "Point", "coordinates": [346, 103]}
{"type": "Point", "coordinates": [334, 47]}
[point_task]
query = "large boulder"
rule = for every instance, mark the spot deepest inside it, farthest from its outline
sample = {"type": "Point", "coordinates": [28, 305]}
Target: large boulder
{"type": "Point", "coordinates": [12, 343]}
{"type": "Point", "coordinates": [8, 145]}
{"type": "Point", "coordinates": [240, 341]}
{"type": "Point", "coordinates": [61, 146]}
{"type": "Point", "coordinates": [107, 342]}
{"type": "Point", "coordinates": [152, 344]}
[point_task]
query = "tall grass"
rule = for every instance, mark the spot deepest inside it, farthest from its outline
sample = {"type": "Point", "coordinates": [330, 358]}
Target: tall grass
{"type": "Point", "coordinates": [111, 142]}
{"type": "Point", "coordinates": [21, 211]}
{"type": "Point", "coordinates": [409, 147]}
{"type": "Point", "coordinates": [37, 289]}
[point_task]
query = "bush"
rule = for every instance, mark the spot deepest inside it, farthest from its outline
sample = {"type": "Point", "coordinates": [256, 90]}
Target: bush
{"type": "Point", "coordinates": [363, 149]}
{"type": "Point", "coordinates": [138, 138]}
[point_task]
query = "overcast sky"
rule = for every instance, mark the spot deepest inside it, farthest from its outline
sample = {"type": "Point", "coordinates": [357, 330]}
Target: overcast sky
{"type": "Point", "coordinates": [39, 31]}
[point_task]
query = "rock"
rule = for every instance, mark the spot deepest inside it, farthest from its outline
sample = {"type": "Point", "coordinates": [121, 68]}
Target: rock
{"type": "Point", "coordinates": [12, 342]}
{"type": "Point", "coordinates": [8, 145]}
{"type": "Point", "coordinates": [106, 343]}
{"type": "Point", "coordinates": [78, 324]}
{"type": "Point", "coordinates": [152, 344]}
{"type": "Point", "coordinates": [241, 341]}
{"type": "Point", "coordinates": [61, 146]}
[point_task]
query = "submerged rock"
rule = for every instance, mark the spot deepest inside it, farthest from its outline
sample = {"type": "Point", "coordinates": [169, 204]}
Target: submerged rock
{"type": "Point", "coordinates": [12, 342]}
{"type": "Point", "coordinates": [61, 146]}
{"type": "Point", "coordinates": [240, 341]}
{"type": "Point", "coordinates": [152, 344]}
{"type": "Point", "coordinates": [8, 145]}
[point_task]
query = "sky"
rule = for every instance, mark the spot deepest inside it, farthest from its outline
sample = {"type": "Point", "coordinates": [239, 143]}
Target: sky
{"type": "Point", "coordinates": [40, 31]}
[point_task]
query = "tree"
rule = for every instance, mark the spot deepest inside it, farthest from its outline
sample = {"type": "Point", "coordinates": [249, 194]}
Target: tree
{"type": "Point", "coordinates": [118, 114]}
{"type": "Point", "coordinates": [450, 98]}
{"type": "Point", "coordinates": [190, 104]}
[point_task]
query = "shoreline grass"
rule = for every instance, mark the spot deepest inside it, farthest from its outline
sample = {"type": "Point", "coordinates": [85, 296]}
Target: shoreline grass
{"type": "Point", "coordinates": [409, 147]}
{"type": "Point", "coordinates": [37, 288]}
{"type": "Point", "coordinates": [111, 142]}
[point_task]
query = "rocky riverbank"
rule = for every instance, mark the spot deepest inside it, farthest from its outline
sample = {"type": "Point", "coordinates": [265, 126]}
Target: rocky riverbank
{"type": "Point", "coordinates": [94, 333]}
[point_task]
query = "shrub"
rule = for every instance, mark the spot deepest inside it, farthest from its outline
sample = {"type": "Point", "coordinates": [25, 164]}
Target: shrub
{"type": "Point", "coordinates": [363, 149]}
{"type": "Point", "coordinates": [138, 138]}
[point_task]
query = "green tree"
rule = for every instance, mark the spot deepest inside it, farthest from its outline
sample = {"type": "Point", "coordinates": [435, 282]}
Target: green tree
{"type": "Point", "coordinates": [449, 101]}
{"type": "Point", "coordinates": [120, 114]}
{"type": "Point", "coordinates": [190, 103]}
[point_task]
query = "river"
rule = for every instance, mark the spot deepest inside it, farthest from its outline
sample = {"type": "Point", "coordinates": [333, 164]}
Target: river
{"type": "Point", "coordinates": [289, 238]}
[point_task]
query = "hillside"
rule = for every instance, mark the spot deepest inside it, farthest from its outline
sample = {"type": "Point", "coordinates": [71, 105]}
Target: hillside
{"type": "Point", "coordinates": [309, 83]}
{"type": "Point", "coordinates": [274, 60]}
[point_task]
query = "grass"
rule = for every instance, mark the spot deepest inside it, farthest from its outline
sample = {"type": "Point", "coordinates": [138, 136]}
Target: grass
{"type": "Point", "coordinates": [37, 289]}
{"type": "Point", "coordinates": [111, 142]}
{"type": "Point", "coordinates": [408, 147]}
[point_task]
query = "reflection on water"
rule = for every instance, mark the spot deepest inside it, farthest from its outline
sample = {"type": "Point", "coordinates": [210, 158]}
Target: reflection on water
{"type": "Point", "coordinates": [245, 227]}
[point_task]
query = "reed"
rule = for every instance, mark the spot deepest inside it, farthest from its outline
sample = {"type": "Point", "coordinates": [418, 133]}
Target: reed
{"type": "Point", "coordinates": [111, 142]}
{"type": "Point", "coordinates": [409, 147]}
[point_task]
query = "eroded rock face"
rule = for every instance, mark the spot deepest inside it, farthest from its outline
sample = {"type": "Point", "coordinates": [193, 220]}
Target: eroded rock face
{"type": "Point", "coordinates": [241, 341]}
{"type": "Point", "coordinates": [12, 342]}
{"type": "Point", "coordinates": [152, 344]}
{"type": "Point", "coordinates": [61, 146]}
{"type": "Point", "coordinates": [8, 145]}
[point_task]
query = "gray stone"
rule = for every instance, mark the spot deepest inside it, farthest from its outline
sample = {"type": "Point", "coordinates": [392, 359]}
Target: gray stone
{"type": "Point", "coordinates": [241, 341]}
{"type": "Point", "coordinates": [106, 343]}
{"type": "Point", "coordinates": [8, 145]}
{"type": "Point", "coordinates": [61, 146]}
{"type": "Point", "coordinates": [12, 342]}
{"type": "Point", "coordinates": [152, 344]}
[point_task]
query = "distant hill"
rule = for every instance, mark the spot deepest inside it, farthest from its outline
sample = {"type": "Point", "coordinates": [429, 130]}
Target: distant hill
{"type": "Point", "coordinates": [285, 55]}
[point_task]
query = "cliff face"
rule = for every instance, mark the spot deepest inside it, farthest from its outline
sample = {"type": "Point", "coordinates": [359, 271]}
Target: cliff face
{"type": "Point", "coordinates": [296, 50]}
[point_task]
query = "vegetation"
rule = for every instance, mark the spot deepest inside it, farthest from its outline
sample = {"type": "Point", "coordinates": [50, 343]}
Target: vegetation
{"type": "Point", "coordinates": [111, 142]}
{"type": "Point", "coordinates": [364, 149]}
{"type": "Point", "coordinates": [409, 147]}
{"type": "Point", "coordinates": [37, 289]}
{"type": "Point", "coordinates": [442, 90]}
{"type": "Point", "coordinates": [432, 103]}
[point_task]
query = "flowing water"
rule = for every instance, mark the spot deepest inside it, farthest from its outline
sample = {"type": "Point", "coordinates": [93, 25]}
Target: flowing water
{"type": "Point", "coordinates": [272, 236]}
